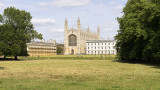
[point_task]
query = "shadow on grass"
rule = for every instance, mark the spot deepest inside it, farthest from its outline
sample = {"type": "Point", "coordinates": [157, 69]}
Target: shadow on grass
{"type": "Point", "coordinates": [10, 59]}
{"type": "Point", "coordinates": [2, 68]}
{"type": "Point", "coordinates": [57, 58]}
{"type": "Point", "coordinates": [152, 64]}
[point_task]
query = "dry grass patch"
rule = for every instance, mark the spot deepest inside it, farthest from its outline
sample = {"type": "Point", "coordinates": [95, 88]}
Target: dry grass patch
{"type": "Point", "coordinates": [77, 74]}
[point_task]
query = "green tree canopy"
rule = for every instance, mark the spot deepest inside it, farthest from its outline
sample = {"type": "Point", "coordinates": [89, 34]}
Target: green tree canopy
{"type": "Point", "coordinates": [139, 35]}
{"type": "Point", "coordinates": [16, 30]}
{"type": "Point", "coordinates": [60, 49]}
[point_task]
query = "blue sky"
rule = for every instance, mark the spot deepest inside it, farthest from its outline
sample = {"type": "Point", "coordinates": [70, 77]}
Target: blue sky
{"type": "Point", "coordinates": [49, 15]}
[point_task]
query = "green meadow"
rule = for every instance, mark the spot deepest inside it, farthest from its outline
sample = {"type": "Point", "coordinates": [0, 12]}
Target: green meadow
{"type": "Point", "coordinates": [72, 57]}
{"type": "Point", "coordinates": [72, 72]}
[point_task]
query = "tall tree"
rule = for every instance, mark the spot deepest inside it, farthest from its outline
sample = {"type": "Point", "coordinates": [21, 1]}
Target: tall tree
{"type": "Point", "coordinates": [60, 49]}
{"type": "Point", "coordinates": [16, 30]}
{"type": "Point", "coordinates": [138, 37]}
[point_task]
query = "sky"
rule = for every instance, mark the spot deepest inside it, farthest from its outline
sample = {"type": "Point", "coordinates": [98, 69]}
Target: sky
{"type": "Point", "coordinates": [48, 16]}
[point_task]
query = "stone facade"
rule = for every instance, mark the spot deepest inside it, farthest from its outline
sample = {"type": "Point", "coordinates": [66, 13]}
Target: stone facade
{"type": "Point", "coordinates": [75, 39]}
{"type": "Point", "coordinates": [101, 47]}
{"type": "Point", "coordinates": [41, 48]}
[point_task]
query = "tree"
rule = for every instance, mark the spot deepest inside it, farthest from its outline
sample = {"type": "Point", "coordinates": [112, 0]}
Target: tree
{"type": "Point", "coordinates": [16, 30]}
{"type": "Point", "coordinates": [155, 2]}
{"type": "Point", "coordinates": [139, 34]}
{"type": "Point", "coordinates": [60, 49]}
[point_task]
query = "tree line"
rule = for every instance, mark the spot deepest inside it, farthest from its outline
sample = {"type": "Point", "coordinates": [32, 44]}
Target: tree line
{"type": "Point", "coordinates": [138, 36]}
{"type": "Point", "coordinates": [16, 30]}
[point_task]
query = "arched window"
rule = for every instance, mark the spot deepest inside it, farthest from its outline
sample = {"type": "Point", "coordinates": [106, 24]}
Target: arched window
{"type": "Point", "coordinates": [72, 40]}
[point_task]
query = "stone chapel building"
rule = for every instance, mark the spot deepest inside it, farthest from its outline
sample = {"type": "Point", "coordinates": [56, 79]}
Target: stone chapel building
{"type": "Point", "coordinates": [75, 38]}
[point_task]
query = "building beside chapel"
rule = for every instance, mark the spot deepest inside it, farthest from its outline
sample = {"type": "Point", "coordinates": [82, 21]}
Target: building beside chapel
{"type": "Point", "coordinates": [42, 48]}
{"type": "Point", "coordinates": [101, 47]}
{"type": "Point", "coordinates": [75, 38]}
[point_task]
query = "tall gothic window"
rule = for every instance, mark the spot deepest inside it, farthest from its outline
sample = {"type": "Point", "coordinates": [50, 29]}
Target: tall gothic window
{"type": "Point", "coordinates": [72, 40]}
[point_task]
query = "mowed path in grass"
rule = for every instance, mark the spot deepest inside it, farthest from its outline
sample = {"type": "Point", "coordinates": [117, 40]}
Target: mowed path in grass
{"type": "Point", "coordinates": [77, 75]}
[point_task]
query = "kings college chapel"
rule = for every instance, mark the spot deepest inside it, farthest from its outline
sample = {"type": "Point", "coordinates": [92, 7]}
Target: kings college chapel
{"type": "Point", "coordinates": [75, 39]}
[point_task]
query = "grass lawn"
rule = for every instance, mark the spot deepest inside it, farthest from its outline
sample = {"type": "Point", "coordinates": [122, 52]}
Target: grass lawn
{"type": "Point", "coordinates": [74, 74]}
{"type": "Point", "coordinates": [72, 57]}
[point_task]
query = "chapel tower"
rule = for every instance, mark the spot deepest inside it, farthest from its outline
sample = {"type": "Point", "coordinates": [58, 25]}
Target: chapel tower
{"type": "Point", "coordinates": [75, 38]}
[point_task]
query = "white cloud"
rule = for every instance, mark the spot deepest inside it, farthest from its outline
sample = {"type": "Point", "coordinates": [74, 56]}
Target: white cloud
{"type": "Point", "coordinates": [43, 21]}
{"type": "Point", "coordinates": [109, 26]}
{"type": "Point", "coordinates": [58, 31]}
{"type": "Point", "coordinates": [11, 0]}
{"type": "Point", "coordinates": [108, 29]}
{"type": "Point", "coordinates": [70, 3]}
{"type": "Point", "coordinates": [42, 4]}
{"type": "Point", "coordinates": [119, 7]}
{"type": "Point", "coordinates": [112, 2]}
{"type": "Point", "coordinates": [66, 3]}
{"type": "Point", "coordinates": [1, 5]}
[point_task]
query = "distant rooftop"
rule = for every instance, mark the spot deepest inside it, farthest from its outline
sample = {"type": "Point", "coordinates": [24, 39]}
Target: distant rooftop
{"type": "Point", "coordinates": [50, 42]}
